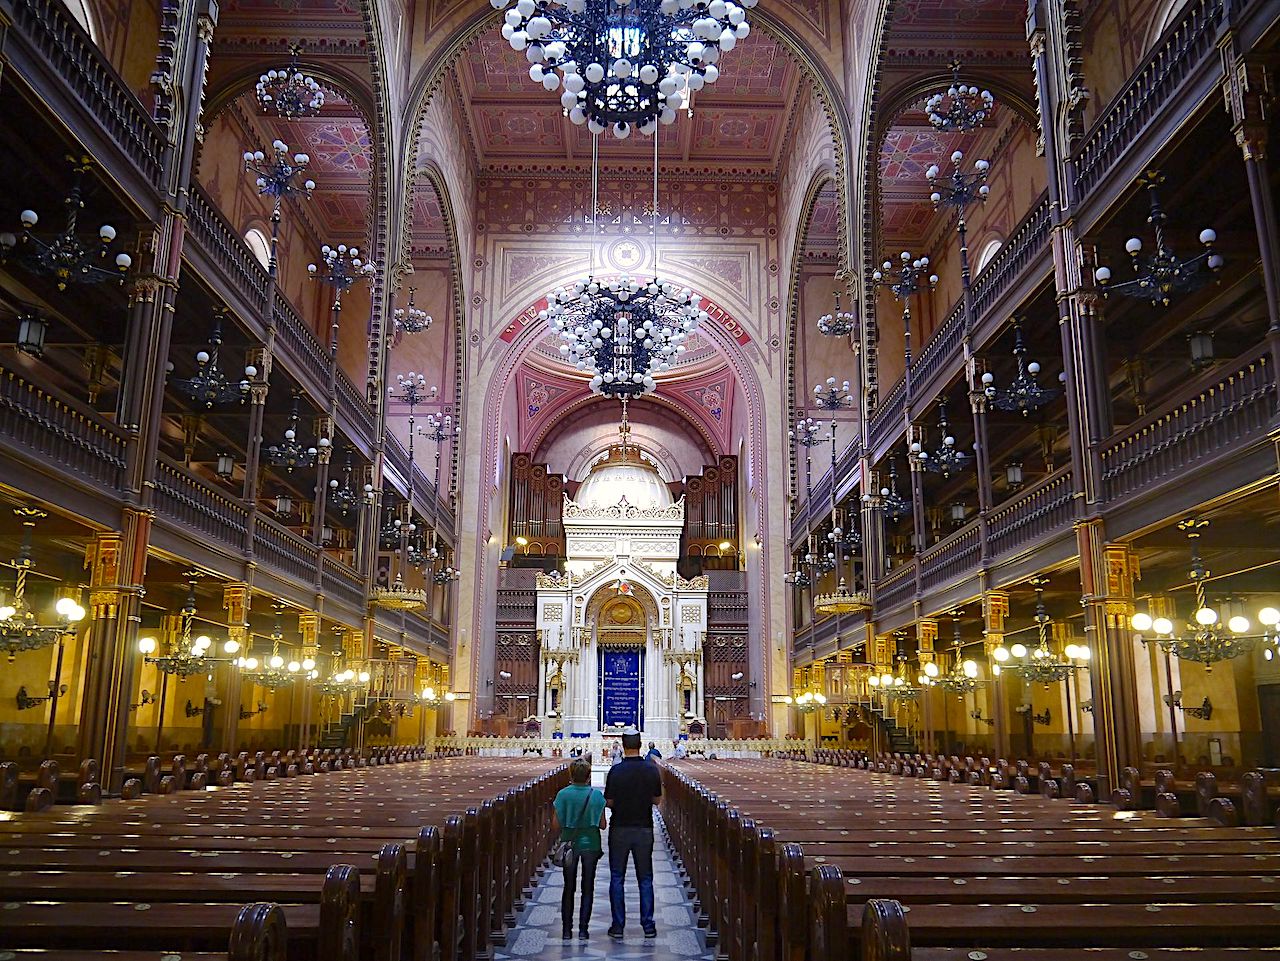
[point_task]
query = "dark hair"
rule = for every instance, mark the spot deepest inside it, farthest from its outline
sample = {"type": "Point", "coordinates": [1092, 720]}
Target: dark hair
{"type": "Point", "coordinates": [580, 771]}
{"type": "Point", "coordinates": [631, 742]}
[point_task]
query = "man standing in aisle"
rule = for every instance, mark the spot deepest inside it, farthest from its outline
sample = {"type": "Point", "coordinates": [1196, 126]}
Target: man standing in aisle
{"type": "Point", "coordinates": [632, 788]}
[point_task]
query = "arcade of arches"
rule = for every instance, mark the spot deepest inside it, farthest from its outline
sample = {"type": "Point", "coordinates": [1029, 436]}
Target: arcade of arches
{"type": "Point", "coordinates": [1015, 496]}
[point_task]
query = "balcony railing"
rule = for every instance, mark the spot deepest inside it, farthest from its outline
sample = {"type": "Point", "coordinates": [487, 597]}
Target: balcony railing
{"type": "Point", "coordinates": [952, 557]}
{"type": "Point", "coordinates": [216, 238]}
{"type": "Point", "coordinates": [60, 45]}
{"type": "Point", "coordinates": [1026, 243]}
{"type": "Point", "coordinates": [198, 508]}
{"type": "Point", "coordinates": [397, 457]}
{"type": "Point", "coordinates": [295, 339]}
{"type": "Point", "coordinates": [57, 432]}
{"type": "Point", "coordinates": [888, 419]}
{"type": "Point", "coordinates": [353, 405]}
{"type": "Point", "coordinates": [1180, 52]}
{"type": "Point", "coordinates": [896, 587]}
{"type": "Point", "coordinates": [1221, 413]}
{"type": "Point", "coordinates": [284, 551]}
{"type": "Point", "coordinates": [1041, 509]}
{"type": "Point", "coordinates": [342, 583]}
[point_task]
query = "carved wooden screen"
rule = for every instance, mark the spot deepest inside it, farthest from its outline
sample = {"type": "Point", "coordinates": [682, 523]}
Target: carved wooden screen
{"type": "Point", "coordinates": [724, 654]}
{"type": "Point", "coordinates": [518, 656]}
{"type": "Point", "coordinates": [537, 503]}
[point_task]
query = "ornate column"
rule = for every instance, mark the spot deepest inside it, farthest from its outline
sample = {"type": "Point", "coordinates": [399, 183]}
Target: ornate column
{"type": "Point", "coordinates": [1108, 572]}
{"type": "Point", "coordinates": [324, 452]}
{"type": "Point", "coordinates": [309, 635]}
{"type": "Point", "coordinates": [926, 639]}
{"type": "Point", "coordinates": [236, 598]}
{"type": "Point", "coordinates": [995, 608]}
{"type": "Point", "coordinates": [1247, 89]}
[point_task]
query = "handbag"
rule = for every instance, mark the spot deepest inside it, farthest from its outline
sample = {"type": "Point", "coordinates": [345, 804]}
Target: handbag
{"type": "Point", "coordinates": [560, 850]}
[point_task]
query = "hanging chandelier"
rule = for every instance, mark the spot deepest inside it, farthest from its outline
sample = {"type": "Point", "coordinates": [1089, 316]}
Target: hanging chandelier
{"type": "Point", "coordinates": [290, 453]}
{"type": "Point", "coordinates": [896, 686]}
{"type": "Point", "coordinates": [622, 332]}
{"type": "Point", "coordinates": [960, 107]}
{"type": "Point", "coordinates": [947, 459]}
{"type": "Point", "coordinates": [1162, 274]}
{"type": "Point", "coordinates": [65, 256]}
{"type": "Point", "coordinates": [624, 64]}
{"type": "Point", "coordinates": [838, 323]}
{"type": "Point", "coordinates": [347, 681]}
{"type": "Point", "coordinates": [20, 627]}
{"type": "Point", "coordinates": [411, 319]}
{"type": "Point", "coordinates": [341, 494]}
{"type": "Point", "coordinates": [798, 578]}
{"type": "Point", "coordinates": [809, 701]}
{"type": "Point", "coordinates": [289, 92]}
{"type": "Point", "coordinates": [1040, 665]}
{"type": "Point", "coordinates": [894, 504]}
{"type": "Point", "coordinates": [1024, 393]}
{"type": "Point", "coordinates": [274, 672]}
{"type": "Point", "coordinates": [962, 678]}
{"type": "Point", "coordinates": [1210, 639]}
{"type": "Point", "coordinates": [188, 655]}
{"type": "Point", "coordinates": [210, 386]}
{"type": "Point", "coordinates": [842, 601]}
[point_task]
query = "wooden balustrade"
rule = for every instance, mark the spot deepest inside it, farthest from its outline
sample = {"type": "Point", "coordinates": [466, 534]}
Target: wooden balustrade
{"type": "Point", "coordinates": [1025, 245]}
{"type": "Point", "coordinates": [284, 551]}
{"type": "Point", "coordinates": [341, 583]}
{"type": "Point", "coordinates": [887, 422]}
{"type": "Point", "coordinates": [1221, 413]}
{"type": "Point", "coordinates": [61, 47]}
{"type": "Point", "coordinates": [896, 587]}
{"type": "Point", "coordinates": [1181, 51]}
{"type": "Point", "coordinates": [1043, 508]}
{"type": "Point", "coordinates": [227, 252]}
{"type": "Point", "coordinates": [397, 457]}
{"type": "Point", "coordinates": [952, 557]}
{"type": "Point", "coordinates": [55, 430]}
{"type": "Point", "coordinates": [199, 508]}
{"type": "Point", "coordinates": [297, 341]}
{"type": "Point", "coordinates": [353, 405]}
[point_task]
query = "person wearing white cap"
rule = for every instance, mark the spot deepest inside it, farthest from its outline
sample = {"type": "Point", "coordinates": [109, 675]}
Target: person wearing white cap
{"type": "Point", "coordinates": [631, 789]}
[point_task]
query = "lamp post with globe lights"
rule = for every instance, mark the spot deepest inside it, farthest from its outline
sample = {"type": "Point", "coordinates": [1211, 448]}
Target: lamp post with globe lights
{"type": "Point", "coordinates": [278, 175]}
{"type": "Point", "coordinates": [905, 280]}
{"type": "Point", "coordinates": [441, 429]}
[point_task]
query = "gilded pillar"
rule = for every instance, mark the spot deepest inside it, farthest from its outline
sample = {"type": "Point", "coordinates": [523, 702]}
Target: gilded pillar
{"type": "Point", "coordinates": [995, 609]}
{"type": "Point", "coordinates": [324, 452]}
{"type": "Point", "coordinates": [236, 598]}
{"type": "Point", "coordinates": [926, 647]}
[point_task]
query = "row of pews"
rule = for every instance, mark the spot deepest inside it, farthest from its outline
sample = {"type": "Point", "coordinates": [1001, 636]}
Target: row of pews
{"type": "Point", "coordinates": [790, 861]}
{"type": "Point", "coordinates": [404, 860]}
{"type": "Point", "coordinates": [1252, 800]}
{"type": "Point", "coordinates": [49, 784]}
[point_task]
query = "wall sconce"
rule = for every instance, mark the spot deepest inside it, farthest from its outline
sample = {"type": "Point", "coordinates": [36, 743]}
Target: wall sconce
{"type": "Point", "coordinates": [1201, 344]}
{"type": "Point", "coordinates": [32, 330]}
{"type": "Point", "coordinates": [1013, 476]}
{"type": "Point", "coordinates": [245, 715]}
{"type": "Point", "coordinates": [1042, 719]}
{"type": "Point", "coordinates": [977, 716]}
{"type": "Point", "coordinates": [192, 710]}
{"type": "Point", "coordinates": [1203, 712]}
{"type": "Point", "coordinates": [735, 676]}
{"type": "Point", "coordinates": [505, 675]}
{"type": "Point", "coordinates": [26, 701]}
{"type": "Point", "coordinates": [226, 464]}
{"type": "Point", "coordinates": [147, 698]}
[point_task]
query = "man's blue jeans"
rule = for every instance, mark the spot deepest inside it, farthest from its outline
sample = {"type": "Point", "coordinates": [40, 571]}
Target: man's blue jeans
{"type": "Point", "coordinates": [638, 843]}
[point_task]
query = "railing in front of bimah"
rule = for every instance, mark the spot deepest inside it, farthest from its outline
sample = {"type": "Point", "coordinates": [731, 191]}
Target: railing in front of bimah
{"type": "Point", "coordinates": [599, 747]}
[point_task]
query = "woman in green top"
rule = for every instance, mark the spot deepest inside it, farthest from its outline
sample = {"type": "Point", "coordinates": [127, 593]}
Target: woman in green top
{"type": "Point", "coordinates": [579, 815]}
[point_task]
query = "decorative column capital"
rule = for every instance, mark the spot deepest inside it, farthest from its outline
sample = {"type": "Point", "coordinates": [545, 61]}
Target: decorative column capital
{"type": "Point", "coordinates": [1246, 89]}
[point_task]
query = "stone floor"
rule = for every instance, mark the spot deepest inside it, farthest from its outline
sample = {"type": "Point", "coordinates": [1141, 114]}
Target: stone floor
{"type": "Point", "coordinates": [537, 930]}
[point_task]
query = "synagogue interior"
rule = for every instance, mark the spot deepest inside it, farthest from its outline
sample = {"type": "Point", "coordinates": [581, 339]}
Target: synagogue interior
{"type": "Point", "coordinates": [871, 402]}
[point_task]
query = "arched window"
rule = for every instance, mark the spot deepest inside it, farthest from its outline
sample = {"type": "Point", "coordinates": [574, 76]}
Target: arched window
{"type": "Point", "coordinates": [80, 13]}
{"type": "Point", "coordinates": [989, 251]}
{"type": "Point", "coordinates": [259, 244]}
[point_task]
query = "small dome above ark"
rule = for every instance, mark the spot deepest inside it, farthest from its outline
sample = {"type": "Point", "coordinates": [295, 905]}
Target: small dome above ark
{"type": "Point", "coordinates": [624, 474]}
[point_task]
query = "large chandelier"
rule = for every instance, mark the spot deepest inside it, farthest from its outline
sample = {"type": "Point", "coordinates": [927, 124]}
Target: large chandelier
{"type": "Point", "coordinates": [962, 678]}
{"type": "Point", "coordinates": [1162, 274]}
{"type": "Point", "coordinates": [961, 106]}
{"type": "Point", "coordinates": [187, 655]}
{"type": "Point", "coordinates": [411, 319]}
{"type": "Point", "coordinates": [274, 671]}
{"type": "Point", "coordinates": [622, 332]}
{"type": "Point", "coordinates": [894, 504]}
{"type": "Point", "coordinates": [1209, 640]}
{"type": "Point", "coordinates": [1024, 393]}
{"type": "Point", "coordinates": [624, 64]}
{"type": "Point", "coordinates": [947, 459]}
{"type": "Point", "coordinates": [1039, 664]}
{"type": "Point", "coordinates": [896, 686]}
{"type": "Point", "coordinates": [65, 256]}
{"type": "Point", "coordinates": [838, 323]}
{"type": "Point", "coordinates": [842, 601]}
{"type": "Point", "coordinates": [210, 386]}
{"type": "Point", "coordinates": [289, 92]}
{"type": "Point", "coordinates": [290, 452]}
{"type": "Point", "coordinates": [20, 627]}
{"type": "Point", "coordinates": [808, 702]}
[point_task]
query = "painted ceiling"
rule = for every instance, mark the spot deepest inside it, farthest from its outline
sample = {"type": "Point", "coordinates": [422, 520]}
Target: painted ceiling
{"type": "Point", "coordinates": [742, 119]}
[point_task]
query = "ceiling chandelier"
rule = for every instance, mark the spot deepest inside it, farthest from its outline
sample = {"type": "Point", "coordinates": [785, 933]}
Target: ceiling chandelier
{"type": "Point", "coordinates": [274, 672]}
{"type": "Point", "coordinates": [894, 504]}
{"type": "Point", "coordinates": [909, 278]}
{"type": "Point", "coordinates": [1024, 393]}
{"type": "Point", "coordinates": [1040, 665]}
{"type": "Point", "coordinates": [842, 601]}
{"type": "Point", "coordinates": [624, 64]}
{"type": "Point", "coordinates": [962, 678]}
{"type": "Point", "coordinates": [948, 458]}
{"type": "Point", "coordinates": [341, 494]}
{"type": "Point", "coordinates": [65, 256]}
{"type": "Point", "coordinates": [20, 627]}
{"type": "Point", "coordinates": [1162, 274]}
{"type": "Point", "coordinates": [290, 453]}
{"type": "Point", "coordinates": [622, 332]}
{"type": "Point", "coordinates": [838, 323]}
{"type": "Point", "coordinates": [441, 429]}
{"type": "Point", "coordinates": [187, 655]}
{"type": "Point", "coordinates": [1209, 640]}
{"type": "Point", "coordinates": [411, 319]}
{"type": "Point", "coordinates": [210, 386]}
{"type": "Point", "coordinates": [895, 686]}
{"type": "Point", "coordinates": [961, 106]}
{"type": "Point", "coordinates": [809, 701]}
{"type": "Point", "coordinates": [289, 92]}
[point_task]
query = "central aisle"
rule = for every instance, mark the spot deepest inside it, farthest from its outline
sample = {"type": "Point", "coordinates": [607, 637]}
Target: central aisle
{"type": "Point", "coordinates": [537, 930]}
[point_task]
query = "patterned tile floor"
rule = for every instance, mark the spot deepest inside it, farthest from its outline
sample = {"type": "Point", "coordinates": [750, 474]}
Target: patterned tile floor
{"type": "Point", "coordinates": [537, 931]}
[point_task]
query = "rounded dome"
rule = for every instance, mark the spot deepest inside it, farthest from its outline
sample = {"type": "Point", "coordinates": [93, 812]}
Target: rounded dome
{"type": "Point", "coordinates": [624, 476]}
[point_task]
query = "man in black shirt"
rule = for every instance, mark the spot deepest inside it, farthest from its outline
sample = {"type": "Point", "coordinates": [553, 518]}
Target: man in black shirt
{"type": "Point", "coordinates": [631, 789]}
